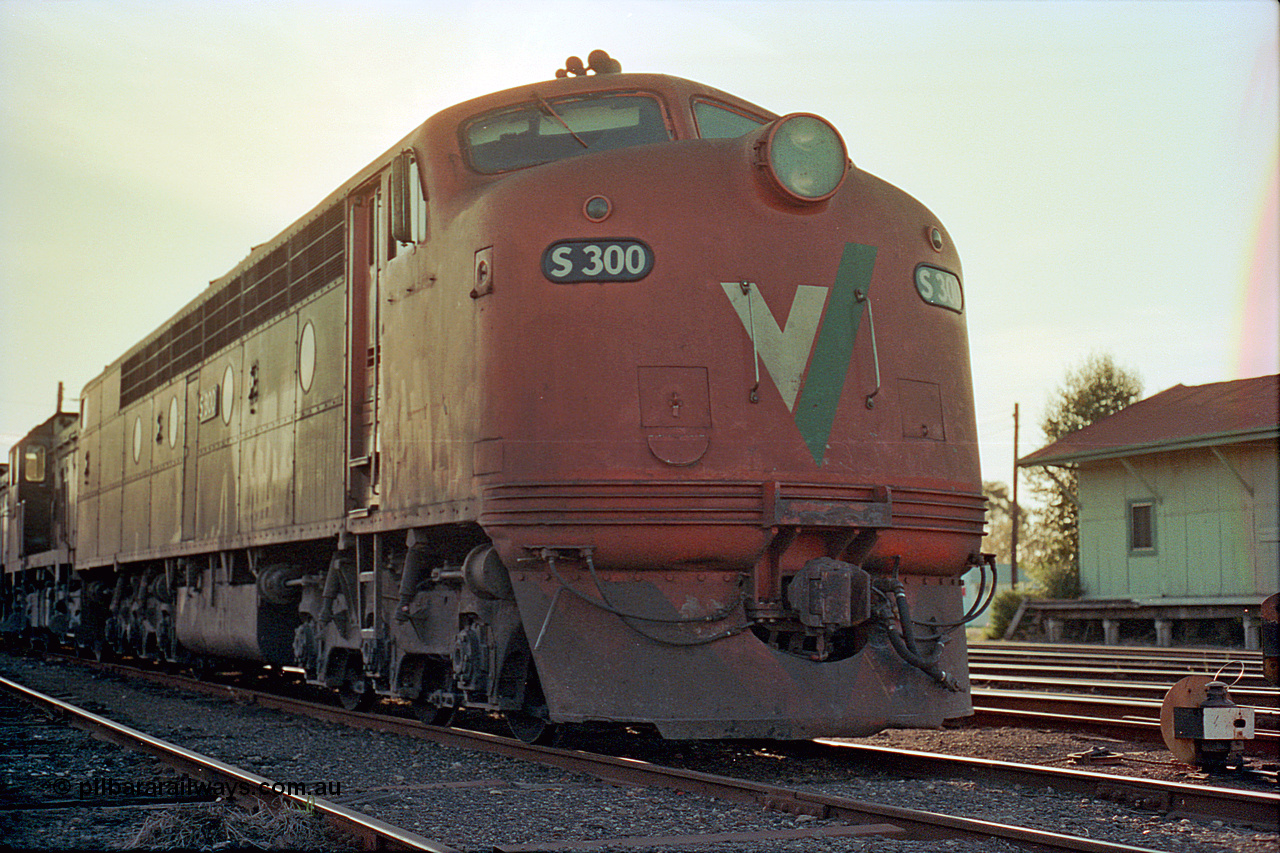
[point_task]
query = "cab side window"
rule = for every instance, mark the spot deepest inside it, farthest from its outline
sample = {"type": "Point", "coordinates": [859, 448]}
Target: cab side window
{"type": "Point", "coordinates": [408, 209]}
{"type": "Point", "coordinates": [33, 463]}
{"type": "Point", "coordinates": [717, 121]}
{"type": "Point", "coordinates": [417, 204]}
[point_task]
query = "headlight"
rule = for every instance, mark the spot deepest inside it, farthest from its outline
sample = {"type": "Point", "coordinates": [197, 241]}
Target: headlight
{"type": "Point", "coordinates": [805, 157]}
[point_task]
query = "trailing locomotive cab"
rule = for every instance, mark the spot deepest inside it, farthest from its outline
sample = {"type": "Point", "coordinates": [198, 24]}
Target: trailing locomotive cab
{"type": "Point", "coordinates": [40, 596]}
{"type": "Point", "coordinates": [608, 398]}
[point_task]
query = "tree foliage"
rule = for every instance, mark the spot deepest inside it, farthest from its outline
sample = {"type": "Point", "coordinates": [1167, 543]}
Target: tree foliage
{"type": "Point", "coordinates": [999, 537]}
{"type": "Point", "coordinates": [1092, 390]}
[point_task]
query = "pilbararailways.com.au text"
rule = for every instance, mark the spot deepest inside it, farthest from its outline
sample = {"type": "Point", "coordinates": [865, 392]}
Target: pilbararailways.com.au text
{"type": "Point", "coordinates": [107, 787]}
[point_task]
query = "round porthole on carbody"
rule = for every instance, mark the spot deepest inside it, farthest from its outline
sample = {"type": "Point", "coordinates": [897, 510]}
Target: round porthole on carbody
{"type": "Point", "coordinates": [307, 356]}
{"type": "Point", "coordinates": [137, 437]}
{"type": "Point", "coordinates": [228, 393]}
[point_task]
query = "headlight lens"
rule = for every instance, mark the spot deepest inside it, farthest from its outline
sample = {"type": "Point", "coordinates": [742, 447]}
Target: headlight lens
{"type": "Point", "coordinates": [806, 156]}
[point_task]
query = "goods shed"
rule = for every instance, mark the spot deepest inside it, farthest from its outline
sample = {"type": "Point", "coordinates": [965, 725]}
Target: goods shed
{"type": "Point", "coordinates": [1178, 515]}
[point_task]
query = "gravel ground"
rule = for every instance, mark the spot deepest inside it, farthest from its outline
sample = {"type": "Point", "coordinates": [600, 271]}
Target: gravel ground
{"type": "Point", "coordinates": [60, 789]}
{"type": "Point", "coordinates": [474, 801]}
{"type": "Point", "coordinates": [42, 761]}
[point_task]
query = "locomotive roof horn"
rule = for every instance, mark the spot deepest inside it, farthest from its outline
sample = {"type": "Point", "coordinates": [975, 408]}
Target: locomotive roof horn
{"type": "Point", "coordinates": [598, 61]}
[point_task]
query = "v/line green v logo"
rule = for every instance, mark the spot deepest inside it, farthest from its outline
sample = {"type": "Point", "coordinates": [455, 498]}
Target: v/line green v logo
{"type": "Point", "coordinates": [808, 355]}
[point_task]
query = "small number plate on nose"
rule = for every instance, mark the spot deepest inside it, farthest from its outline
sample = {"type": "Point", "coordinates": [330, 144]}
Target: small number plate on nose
{"type": "Point", "coordinates": [939, 287]}
{"type": "Point", "coordinates": [597, 260]}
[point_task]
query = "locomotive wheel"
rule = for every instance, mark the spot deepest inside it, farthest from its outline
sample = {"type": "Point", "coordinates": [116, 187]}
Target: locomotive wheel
{"type": "Point", "coordinates": [203, 667]}
{"type": "Point", "coordinates": [432, 714]}
{"type": "Point", "coordinates": [95, 648]}
{"type": "Point", "coordinates": [530, 728]}
{"type": "Point", "coordinates": [529, 722]}
{"type": "Point", "coordinates": [356, 695]}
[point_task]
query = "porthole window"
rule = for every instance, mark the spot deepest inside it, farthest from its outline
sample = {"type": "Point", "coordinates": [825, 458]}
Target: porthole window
{"type": "Point", "coordinates": [137, 437]}
{"type": "Point", "coordinates": [228, 393]}
{"type": "Point", "coordinates": [307, 356]}
{"type": "Point", "coordinates": [173, 420]}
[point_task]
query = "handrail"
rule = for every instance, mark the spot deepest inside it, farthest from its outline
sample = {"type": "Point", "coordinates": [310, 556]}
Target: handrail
{"type": "Point", "coordinates": [863, 296]}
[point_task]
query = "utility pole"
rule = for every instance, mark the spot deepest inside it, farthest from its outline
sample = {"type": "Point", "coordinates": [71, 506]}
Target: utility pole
{"type": "Point", "coordinates": [1013, 543]}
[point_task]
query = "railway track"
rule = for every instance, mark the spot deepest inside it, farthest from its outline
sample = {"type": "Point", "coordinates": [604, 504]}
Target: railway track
{"type": "Point", "coordinates": [1083, 712]}
{"type": "Point", "coordinates": [1177, 799]}
{"type": "Point", "coordinates": [1118, 662]}
{"type": "Point", "coordinates": [1208, 653]}
{"type": "Point", "coordinates": [1100, 688]}
{"type": "Point", "coordinates": [855, 816]}
{"type": "Point", "coordinates": [220, 776]}
{"type": "Point", "coordinates": [868, 818]}
{"type": "Point", "coordinates": [1144, 672]}
{"type": "Point", "coordinates": [1258, 697]}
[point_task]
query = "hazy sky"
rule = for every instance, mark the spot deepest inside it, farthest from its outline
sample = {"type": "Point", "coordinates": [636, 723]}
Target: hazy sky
{"type": "Point", "coordinates": [1107, 169]}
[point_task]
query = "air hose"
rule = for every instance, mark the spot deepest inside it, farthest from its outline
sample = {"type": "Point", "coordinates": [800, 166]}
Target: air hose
{"type": "Point", "coordinates": [907, 645]}
{"type": "Point", "coordinates": [905, 642]}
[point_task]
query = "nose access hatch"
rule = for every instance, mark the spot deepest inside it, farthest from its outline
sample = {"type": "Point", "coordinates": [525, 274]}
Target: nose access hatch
{"type": "Point", "coordinates": [675, 411]}
{"type": "Point", "coordinates": [921, 405]}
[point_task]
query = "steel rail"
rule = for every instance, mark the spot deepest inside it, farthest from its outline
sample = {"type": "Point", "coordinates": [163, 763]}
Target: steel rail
{"type": "Point", "coordinates": [1099, 706]}
{"type": "Point", "coordinates": [1260, 810]}
{"type": "Point", "coordinates": [1230, 670]}
{"type": "Point", "coordinates": [1266, 741]}
{"type": "Point", "coordinates": [913, 824]}
{"type": "Point", "coordinates": [1165, 669]}
{"type": "Point", "coordinates": [905, 823]}
{"type": "Point", "coordinates": [1126, 728]}
{"type": "Point", "coordinates": [1113, 651]}
{"type": "Point", "coordinates": [372, 833]}
{"type": "Point", "coordinates": [1265, 745]}
{"type": "Point", "coordinates": [919, 825]}
{"type": "Point", "coordinates": [1120, 657]}
{"type": "Point", "coordinates": [1263, 699]}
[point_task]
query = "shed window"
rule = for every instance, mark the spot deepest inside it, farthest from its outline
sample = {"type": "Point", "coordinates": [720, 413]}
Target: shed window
{"type": "Point", "coordinates": [1142, 526]}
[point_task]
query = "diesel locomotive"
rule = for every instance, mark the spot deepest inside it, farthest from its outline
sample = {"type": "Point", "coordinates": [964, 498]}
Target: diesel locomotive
{"type": "Point", "coordinates": [613, 397]}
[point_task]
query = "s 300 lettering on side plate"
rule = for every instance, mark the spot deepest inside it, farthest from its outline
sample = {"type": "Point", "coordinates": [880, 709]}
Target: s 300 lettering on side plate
{"type": "Point", "coordinates": [597, 260]}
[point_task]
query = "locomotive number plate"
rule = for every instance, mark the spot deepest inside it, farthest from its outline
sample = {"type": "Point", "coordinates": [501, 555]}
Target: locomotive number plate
{"type": "Point", "coordinates": [597, 260]}
{"type": "Point", "coordinates": [939, 287]}
{"type": "Point", "coordinates": [208, 408]}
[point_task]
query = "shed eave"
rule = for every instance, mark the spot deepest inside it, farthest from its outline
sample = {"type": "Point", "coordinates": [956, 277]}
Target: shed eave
{"type": "Point", "coordinates": [1066, 457]}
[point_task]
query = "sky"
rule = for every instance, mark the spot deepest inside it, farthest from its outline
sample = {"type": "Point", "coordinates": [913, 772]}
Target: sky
{"type": "Point", "coordinates": [1106, 168]}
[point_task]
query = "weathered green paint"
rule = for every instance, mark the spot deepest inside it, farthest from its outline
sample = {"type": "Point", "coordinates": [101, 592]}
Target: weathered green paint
{"type": "Point", "coordinates": [1213, 538]}
{"type": "Point", "coordinates": [815, 411]}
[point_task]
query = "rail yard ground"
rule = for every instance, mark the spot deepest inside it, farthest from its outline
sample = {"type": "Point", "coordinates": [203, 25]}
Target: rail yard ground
{"type": "Point", "coordinates": [479, 802]}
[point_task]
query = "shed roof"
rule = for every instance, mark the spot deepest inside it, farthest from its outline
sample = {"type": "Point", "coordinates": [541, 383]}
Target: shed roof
{"type": "Point", "coordinates": [1178, 418]}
